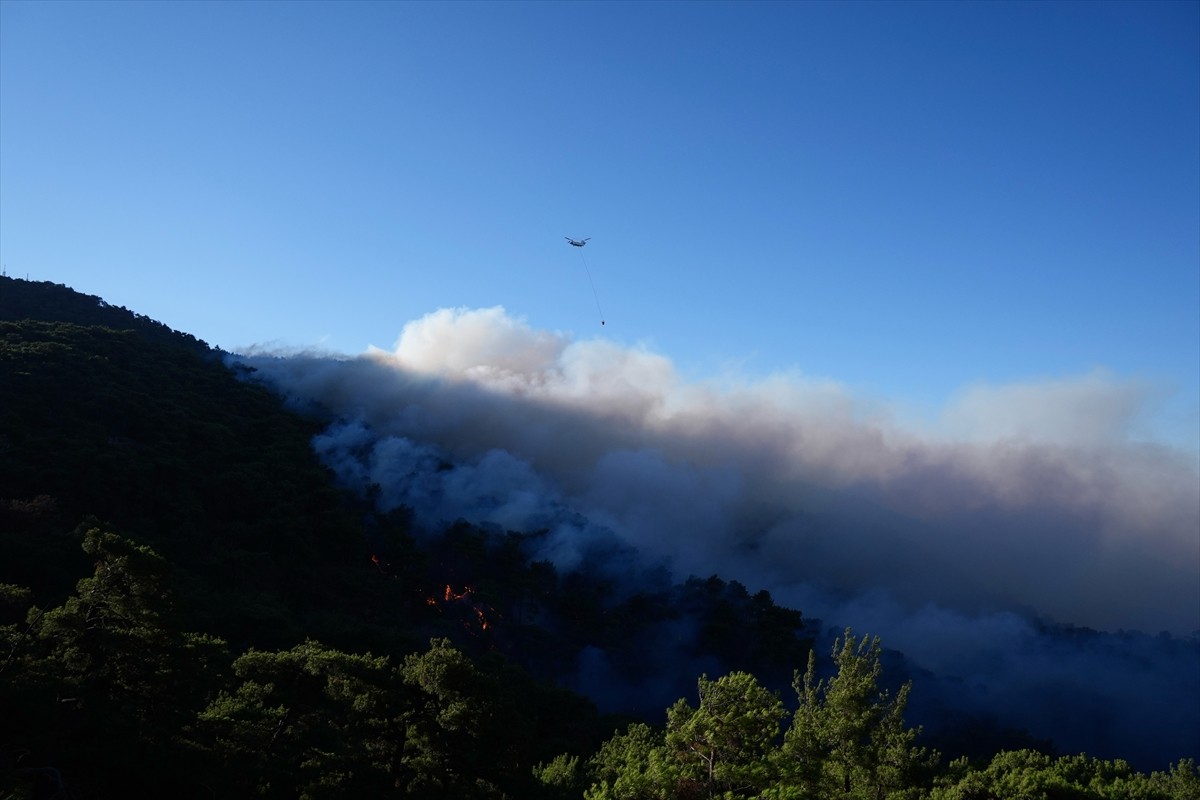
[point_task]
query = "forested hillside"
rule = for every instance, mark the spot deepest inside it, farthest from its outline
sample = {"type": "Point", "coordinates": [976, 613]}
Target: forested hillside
{"type": "Point", "coordinates": [191, 607]}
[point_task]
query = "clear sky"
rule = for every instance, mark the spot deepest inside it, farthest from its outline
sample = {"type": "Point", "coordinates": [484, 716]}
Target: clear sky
{"type": "Point", "coordinates": [909, 199]}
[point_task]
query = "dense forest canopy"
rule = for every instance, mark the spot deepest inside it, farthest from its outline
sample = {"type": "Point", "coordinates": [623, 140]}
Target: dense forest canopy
{"type": "Point", "coordinates": [191, 606]}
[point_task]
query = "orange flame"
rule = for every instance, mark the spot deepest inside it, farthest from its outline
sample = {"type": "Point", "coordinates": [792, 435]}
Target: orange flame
{"type": "Point", "coordinates": [451, 595]}
{"type": "Point", "coordinates": [465, 597]}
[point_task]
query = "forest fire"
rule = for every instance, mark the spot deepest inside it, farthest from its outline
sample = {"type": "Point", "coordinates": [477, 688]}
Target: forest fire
{"type": "Point", "coordinates": [477, 620]}
{"type": "Point", "coordinates": [463, 599]}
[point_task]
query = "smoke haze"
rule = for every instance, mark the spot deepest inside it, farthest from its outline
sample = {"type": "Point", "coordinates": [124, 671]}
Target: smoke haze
{"type": "Point", "coordinates": [1028, 502]}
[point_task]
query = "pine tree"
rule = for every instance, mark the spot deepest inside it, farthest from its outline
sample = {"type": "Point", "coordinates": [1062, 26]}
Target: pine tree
{"type": "Point", "coordinates": [848, 738]}
{"type": "Point", "coordinates": [723, 744]}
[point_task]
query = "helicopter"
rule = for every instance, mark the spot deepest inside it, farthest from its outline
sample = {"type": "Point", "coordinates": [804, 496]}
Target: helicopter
{"type": "Point", "coordinates": [582, 260]}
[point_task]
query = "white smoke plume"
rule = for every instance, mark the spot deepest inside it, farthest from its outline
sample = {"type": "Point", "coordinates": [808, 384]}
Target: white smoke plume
{"type": "Point", "coordinates": [1029, 501]}
{"type": "Point", "coordinates": [781, 481]}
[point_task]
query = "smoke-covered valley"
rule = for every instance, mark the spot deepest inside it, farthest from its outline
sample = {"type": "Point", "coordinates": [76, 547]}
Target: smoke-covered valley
{"type": "Point", "coordinates": [1023, 557]}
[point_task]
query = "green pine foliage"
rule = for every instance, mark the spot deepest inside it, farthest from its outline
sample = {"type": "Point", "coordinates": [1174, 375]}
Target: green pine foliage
{"type": "Point", "coordinates": [846, 740]}
{"type": "Point", "coordinates": [96, 687]}
{"type": "Point", "coordinates": [848, 736]}
{"type": "Point", "coordinates": [1032, 775]}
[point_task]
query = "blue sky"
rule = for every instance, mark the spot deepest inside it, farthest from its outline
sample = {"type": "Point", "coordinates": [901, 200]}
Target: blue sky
{"type": "Point", "coordinates": [906, 198]}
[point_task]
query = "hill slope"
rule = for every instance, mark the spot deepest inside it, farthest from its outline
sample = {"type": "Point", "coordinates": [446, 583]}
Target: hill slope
{"type": "Point", "coordinates": [112, 415]}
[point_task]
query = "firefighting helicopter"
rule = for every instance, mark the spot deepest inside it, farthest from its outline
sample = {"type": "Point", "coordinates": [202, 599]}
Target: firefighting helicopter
{"type": "Point", "coordinates": [581, 243]}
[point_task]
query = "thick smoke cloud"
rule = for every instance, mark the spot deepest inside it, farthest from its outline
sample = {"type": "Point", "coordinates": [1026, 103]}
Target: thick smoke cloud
{"type": "Point", "coordinates": [1031, 501]}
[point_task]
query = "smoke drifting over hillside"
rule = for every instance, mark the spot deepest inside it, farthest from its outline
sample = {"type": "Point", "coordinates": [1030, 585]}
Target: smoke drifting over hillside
{"type": "Point", "coordinates": [1031, 500]}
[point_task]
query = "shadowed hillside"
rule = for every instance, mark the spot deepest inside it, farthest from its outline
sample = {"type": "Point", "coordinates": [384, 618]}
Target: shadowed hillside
{"type": "Point", "coordinates": [115, 416]}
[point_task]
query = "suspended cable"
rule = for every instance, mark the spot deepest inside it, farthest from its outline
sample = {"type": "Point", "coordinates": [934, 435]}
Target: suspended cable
{"type": "Point", "coordinates": [588, 272]}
